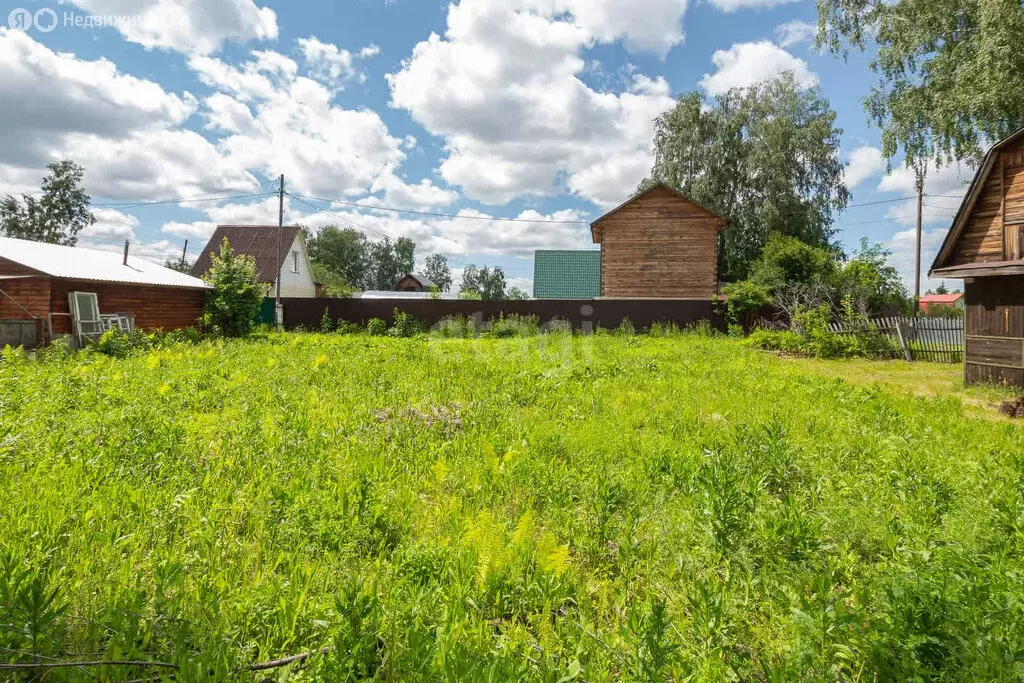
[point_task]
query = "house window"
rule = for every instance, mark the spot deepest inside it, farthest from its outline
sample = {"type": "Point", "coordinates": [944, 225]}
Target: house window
{"type": "Point", "coordinates": [295, 261]}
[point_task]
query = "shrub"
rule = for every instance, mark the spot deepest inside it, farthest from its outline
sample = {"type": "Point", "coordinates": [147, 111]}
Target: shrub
{"type": "Point", "coordinates": [558, 326]}
{"type": "Point", "coordinates": [626, 327]}
{"type": "Point", "coordinates": [376, 327]}
{"type": "Point", "coordinates": [515, 326]}
{"type": "Point", "coordinates": [120, 344]}
{"type": "Point", "coordinates": [236, 296]}
{"type": "Point", "coordinates": [346, 327]}
{"type": "Point", "coordinates": [456, 327]}
{"type": "Point", "coordinates": [404, 325]}
{"type": "Point", "coordinates": [743, 298]}
{"type": "Point", "coordinates": [326, 322]}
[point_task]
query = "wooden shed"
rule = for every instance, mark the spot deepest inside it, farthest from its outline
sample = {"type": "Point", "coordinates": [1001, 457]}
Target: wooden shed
{"type": "Point", "coordinates": [984, 247]}
{"type": "Point", "coordinates": [659, 245]}
{"type": "Point", "coordinates": [38, 281]}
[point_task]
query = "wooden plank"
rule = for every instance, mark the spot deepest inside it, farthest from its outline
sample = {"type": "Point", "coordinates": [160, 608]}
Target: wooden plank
{"type": "Point", "coordinates": [1007, 352]}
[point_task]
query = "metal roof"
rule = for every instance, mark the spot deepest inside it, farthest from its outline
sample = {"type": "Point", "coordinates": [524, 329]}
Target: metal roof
{"type": "Point", "coordinates": [79, 263]}
{"type": "Point", "coordinates": [384, 294]}
{"type": "Point", "coordinates": [258, 241]}
{"type": "Point", "coordinates": [567, 274]}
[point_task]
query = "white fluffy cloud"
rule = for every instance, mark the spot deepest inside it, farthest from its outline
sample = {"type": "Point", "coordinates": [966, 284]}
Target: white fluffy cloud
{"type": "Point", "coordinates": [865, 162]}
{"type": "Point", "coordinates": [733, 5]}
{"type": "Point", "coordinates": [189, 26]}
{"type": "Point", "coordinates": [47, 96]}
{"type": "Point", "coordinates": [503, 88]}
{"type": "Point", "coordinates": [795, 32]}
{"type": "Point", "coordinates": [745, 64]}
{"type": "Point", "coordinates": [903, 246]}
{"type": "Point", "coordinates": [330, 64]}
{"type": "Point", "coordinates": [944, 188]}
{"type": "Point", "coordinates": [110, 226]}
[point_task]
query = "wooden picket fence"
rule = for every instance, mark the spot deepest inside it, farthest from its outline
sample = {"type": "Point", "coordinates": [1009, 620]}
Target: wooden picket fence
{"type": "Point", "coordinates": [931, 339]}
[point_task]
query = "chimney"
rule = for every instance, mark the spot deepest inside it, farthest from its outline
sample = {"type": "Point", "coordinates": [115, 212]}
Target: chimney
{"type": "Point", "coordinates": [126, 252]}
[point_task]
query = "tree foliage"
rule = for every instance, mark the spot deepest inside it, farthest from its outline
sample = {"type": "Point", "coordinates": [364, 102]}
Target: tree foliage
{"type": "Point", "coordinates": [438, 271]}
{"type": "Point", "coordinates": [766, 158]}
{"type": "Point", "coordinates": [236, 296]}
{"type": "Point", "coordinates": [344, 260]}
{"type": "Point", "coordinates": [57, 216]}
{"type": "Point", "coordinates": [951, 72]}
{"type": "Point", "coordinates": [487, 283]}
{"type": "Point", "coordinates": [182, 266]}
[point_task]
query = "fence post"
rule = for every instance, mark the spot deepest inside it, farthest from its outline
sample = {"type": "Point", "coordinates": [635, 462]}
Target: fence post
{"type": "Point", "coordinates": [903, 342]}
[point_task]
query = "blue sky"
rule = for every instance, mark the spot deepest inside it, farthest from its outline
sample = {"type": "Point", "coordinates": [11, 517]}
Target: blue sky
{"type": "Point", "coordinates": [539, 110]}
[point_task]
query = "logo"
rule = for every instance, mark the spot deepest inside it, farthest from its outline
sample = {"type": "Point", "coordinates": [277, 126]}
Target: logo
{"type": "Point", "coordinates": [45, 20]}
{"type": "Point", "coordinates": [21, 19]}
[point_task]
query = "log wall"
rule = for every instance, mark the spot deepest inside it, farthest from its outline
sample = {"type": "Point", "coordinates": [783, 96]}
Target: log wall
{"type": "Point", "coordinates": [994, 328]}
{"type": "Point", "coordinates": [165, 308]}
{"type": "Point", "coordinates": [659, 246]}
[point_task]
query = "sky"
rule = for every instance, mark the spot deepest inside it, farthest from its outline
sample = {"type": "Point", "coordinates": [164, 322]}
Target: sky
{"type": "Point", "coordinates": [540, 111]}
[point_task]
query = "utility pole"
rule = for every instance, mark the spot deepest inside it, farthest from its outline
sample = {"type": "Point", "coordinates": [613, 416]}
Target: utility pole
{"type": "Point", "coordinates": [278, 311]}
{"type": "Point", "coordinates": [917, 262]}
{"type": "Point", "coordinates": [184, 250]}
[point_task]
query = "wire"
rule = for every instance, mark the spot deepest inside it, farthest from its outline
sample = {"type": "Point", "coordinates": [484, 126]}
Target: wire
{"type": "Point", "coordinates": [383, 207]}
{"type": "Point", "coordinates": [200, 198]}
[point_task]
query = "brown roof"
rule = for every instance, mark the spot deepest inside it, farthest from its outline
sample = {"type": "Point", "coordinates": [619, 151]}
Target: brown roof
{"type": "Point", "coordinates": [259, 241]}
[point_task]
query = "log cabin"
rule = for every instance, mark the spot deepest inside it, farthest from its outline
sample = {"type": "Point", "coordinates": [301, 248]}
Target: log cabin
{"type": "Point", "coordinates": [984, 247]}
{"type": "Point", "coordinates": [38, 283]}
{"type": "Point", "coordinates": [659, 245]}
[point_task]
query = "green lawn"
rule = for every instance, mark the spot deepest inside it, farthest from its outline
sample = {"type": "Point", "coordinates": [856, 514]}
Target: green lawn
{"type": "Point", "coordinates": [555, 508]}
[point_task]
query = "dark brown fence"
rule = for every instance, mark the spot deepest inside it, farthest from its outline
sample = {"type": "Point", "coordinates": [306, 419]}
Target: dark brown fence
{"type": "Point", "coordinates": [582, 314]}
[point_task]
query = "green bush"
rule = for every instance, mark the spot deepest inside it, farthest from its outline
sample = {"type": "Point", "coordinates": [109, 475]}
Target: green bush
{"type": "Point", "coordinates": [626, 327]}
{"type": "Point", "coordinates": [326, 321]}
{"type": "Point", "coordinates": [515, 326]}
{"type": "Point", "coordinates": [404, 325]}
{"type": "Point", "coordinates": [236, 296]}
{"type": "Point", "coordinates": [456, 327]}
{"type": "Point", "coordinates": [376, 327]}
{"type": "Point", "coordinates": [347, 327]}
{"type": "Point", "coordinates": [744, 297]}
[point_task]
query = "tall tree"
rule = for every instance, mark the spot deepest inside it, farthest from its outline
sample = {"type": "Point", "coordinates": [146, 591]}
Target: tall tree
{"type": "Point", "coordinates": [389, 261]}
{"type": "Point", "coordinates": [765, 157]}
{"type": "Point", "coordinates": [179, 265]}
{"type": "Point", "coordinates": [340, 255]}
{"type": "Point", "coordinates": [437, 270]}
{"type": "Point", "coordinates": [487, 283]}
{"type": "Point", "coordinates": [951, 74]}
{"type": "Point", "coordinates": [57, 216]}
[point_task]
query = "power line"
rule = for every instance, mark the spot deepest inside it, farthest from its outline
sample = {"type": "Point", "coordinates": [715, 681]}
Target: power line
{"type": "Point", "coordinates": [187, 200]}
{"type": "Point", "coordinates": [383, 207]}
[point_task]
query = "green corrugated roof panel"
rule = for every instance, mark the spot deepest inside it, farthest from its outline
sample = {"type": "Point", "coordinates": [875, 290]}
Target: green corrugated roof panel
{"type": "Point", "coordinates": [567, 274]}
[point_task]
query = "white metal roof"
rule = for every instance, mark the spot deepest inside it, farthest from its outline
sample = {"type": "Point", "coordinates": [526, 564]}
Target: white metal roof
{"type": "Point", "coordinates": [79, 263]}
{"type": "Point", "coordinates": [382, 294]}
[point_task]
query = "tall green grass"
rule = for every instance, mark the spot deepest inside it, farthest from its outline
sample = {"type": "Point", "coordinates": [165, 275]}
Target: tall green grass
{"type": "Point", "coordinates": [553, 508]}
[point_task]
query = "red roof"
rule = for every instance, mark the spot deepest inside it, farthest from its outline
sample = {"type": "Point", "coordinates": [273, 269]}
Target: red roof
{"type": "Point", "coordinates": [942, 298]}
{"type": "Point", "coordinates": [258, 241]}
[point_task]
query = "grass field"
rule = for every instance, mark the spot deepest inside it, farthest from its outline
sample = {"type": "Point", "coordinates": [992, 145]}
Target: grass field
{"type": "Point", "coordinates": [556, 508]}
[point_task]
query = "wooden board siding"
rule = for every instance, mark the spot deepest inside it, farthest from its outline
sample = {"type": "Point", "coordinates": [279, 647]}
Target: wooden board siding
{"type": "Point", "coordinates": [32, 293]}
{"type": "Point", "coordinates": [994, 330]}
{"type": "Point", "coordinates": [659, 246]}
{"type": "Point", "coordinates": [993, 228]}
{"type": "Point", "coordinates": [166, 308]}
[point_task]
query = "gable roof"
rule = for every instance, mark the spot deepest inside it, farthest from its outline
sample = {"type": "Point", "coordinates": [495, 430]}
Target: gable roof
{"type": "Point", "coordinates": [425, 282]}
{"type": "Point", "coordinates": [967, 205]}
{"type": "Point", "coordinates": [566, 274]}
{"type": "Point", "coordinates": [80, 263]}
{"type": "Point", "coordinates": [657, 186]}
{"type": "Point", "coordinates": [257, 241]}
{"type": "Point", "coordinates": [942, 298]}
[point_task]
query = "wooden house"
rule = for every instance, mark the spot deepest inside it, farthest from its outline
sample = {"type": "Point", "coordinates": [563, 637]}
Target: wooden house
{"type": "Point", "coordinates": [415, 282]}
{"type": "Point", "coordinates": [984, 247]}
{"type": "Point", "coordinates": [659, 245]}
{"type": "Point", "coordinates": [44, 284]}
{"type": "Point", "coordinates": [275, 250]}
